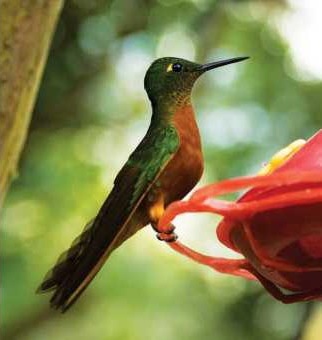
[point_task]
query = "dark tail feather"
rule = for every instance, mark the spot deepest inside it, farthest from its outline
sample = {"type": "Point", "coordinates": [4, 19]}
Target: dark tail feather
{"type": "Point", "coordinates": [57, 278]}
{"type": "Point", "coordinates": [117, 220]}
{"type": "Point", "coordinates": [77, 267]}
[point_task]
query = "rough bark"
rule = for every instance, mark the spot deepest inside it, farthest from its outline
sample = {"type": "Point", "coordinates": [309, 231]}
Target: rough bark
{"type": "Point", "coordinates": [26, 30]}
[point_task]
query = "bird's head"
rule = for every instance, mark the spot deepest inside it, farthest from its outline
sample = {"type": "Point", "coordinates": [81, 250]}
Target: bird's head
{"type": "Point", "coordinates": [170, 80]}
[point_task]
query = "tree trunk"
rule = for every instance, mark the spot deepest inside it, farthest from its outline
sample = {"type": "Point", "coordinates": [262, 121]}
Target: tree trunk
{"type": "Point", "coordinates": [26, 30]}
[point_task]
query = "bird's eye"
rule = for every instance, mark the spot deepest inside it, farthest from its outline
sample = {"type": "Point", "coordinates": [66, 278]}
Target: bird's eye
{"type": "Point", "coordinates": [176, 67]}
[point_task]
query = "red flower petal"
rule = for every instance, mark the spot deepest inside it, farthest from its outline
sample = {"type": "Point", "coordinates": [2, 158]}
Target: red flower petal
{"type": "Point", "coordinates": [277, 225]}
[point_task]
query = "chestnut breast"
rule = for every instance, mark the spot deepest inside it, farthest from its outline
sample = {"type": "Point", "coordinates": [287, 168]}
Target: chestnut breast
{"type": "Point", "coordinates": [185, 168]}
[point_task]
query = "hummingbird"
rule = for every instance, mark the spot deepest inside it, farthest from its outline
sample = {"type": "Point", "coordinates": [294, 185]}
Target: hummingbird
{"type": "Point", "coordinates": [163, 168]}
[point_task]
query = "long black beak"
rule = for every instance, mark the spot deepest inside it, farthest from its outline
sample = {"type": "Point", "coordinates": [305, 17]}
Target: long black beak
{"type": "Point", "coordinates": [210, 66]}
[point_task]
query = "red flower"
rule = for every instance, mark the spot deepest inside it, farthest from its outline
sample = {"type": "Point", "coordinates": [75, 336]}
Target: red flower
{"type": "Point", "coordinates": [276, 225]}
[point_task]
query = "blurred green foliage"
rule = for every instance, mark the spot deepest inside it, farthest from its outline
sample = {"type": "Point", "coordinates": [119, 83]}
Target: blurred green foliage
{"type": "Point", "coordinates": [91, 112]}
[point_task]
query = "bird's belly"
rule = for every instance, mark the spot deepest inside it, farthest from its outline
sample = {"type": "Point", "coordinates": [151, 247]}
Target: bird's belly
{"type": "Point", "coordinates": [181, 174]}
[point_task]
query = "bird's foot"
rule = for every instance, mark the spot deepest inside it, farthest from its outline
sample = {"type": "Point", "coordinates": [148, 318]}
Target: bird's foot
{"type": "Point", "coordinates": [167, 235]}
{"type": "Point", "coordinates": [156, 211]}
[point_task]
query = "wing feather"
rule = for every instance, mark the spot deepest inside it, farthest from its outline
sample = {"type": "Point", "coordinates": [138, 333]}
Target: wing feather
{"type": "Point", "coordinates": [114, 223]}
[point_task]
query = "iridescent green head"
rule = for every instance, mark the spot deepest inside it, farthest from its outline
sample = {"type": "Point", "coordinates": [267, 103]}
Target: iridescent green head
{"type": "Point", "coordinates": [170, 80]}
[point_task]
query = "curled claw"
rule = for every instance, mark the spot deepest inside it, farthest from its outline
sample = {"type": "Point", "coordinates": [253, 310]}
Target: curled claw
{"type": "Point", "coordinates": [167, 237]}
{"type": "Point", "coordinates": [166, 234]}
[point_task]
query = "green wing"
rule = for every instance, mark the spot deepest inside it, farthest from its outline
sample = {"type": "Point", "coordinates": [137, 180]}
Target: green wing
{"type": "Point", "coordinates": [114, 223]}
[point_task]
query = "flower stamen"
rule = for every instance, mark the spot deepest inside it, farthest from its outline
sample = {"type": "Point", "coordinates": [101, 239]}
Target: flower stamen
{"type": "Point", "coordinates": [281, 157]}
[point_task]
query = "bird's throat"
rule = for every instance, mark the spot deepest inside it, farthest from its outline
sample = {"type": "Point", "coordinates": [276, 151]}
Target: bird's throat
{"type": "Point", "coordinates": [185, 123]}
{"type": "Point", "coordinates": [165, 109]}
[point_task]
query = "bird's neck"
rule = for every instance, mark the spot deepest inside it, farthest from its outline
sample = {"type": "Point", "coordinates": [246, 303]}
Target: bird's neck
{"type": "Point", "coordinates": [182, 118]}
{"type": "Point", "coordinates": [164, 111]}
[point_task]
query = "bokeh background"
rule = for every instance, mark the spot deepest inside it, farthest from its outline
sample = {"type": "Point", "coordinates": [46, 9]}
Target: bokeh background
{"type": "Point", "coordinates": [91, 112]}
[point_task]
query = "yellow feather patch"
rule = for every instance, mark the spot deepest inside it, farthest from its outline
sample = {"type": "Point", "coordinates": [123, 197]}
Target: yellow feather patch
{"type": "Point", "coordinates": [157, 209]}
